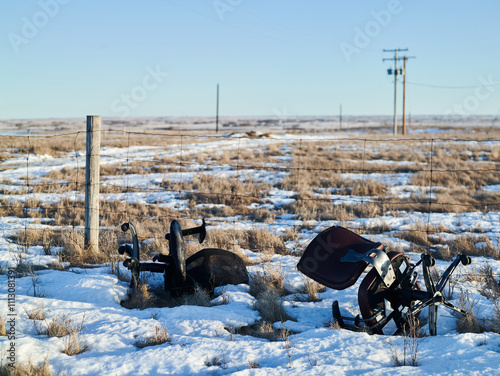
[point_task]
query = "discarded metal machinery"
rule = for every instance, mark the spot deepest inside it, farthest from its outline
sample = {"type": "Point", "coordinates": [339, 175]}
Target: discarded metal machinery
{"type": "Point", "coordinates": [337, 257]}
{"type": "Point", "coordinates": [208, 268]}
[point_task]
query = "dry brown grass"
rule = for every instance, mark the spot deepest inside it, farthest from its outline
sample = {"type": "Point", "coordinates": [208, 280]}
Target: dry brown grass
{"type": "Point", "coordinates": [311, 290]}
{"type": "Point", "coordinates": [252, 364]}
{"type": "Point", "coordinates": [210, 189]}
{"type": "Point", "coordinates": [490, 286]}
{"type": "Point", "coordinates": [63, 325]}
{"type": "Point", "coordinates": [269, 278]}
{"type": "Point", "coordinates": [268, 289]}
{"type": "Point", "coordinates": [468, 244]}
{"type": "Point", "coordinates": [368, 188]}
{"type": "Point", "coordinates": [37, 313]}
{"type": "Point", "coordinates": [72, 344]}
{"type": "Point", "coordinates": [139, 298]}
{"type": "Point", "coordinates": [41, 145]}
{"type": "Point", "coordinates": [469, 322]}
{"type": "Point", "coordinates": [262, 329]}
{"type": "Point", "coordinates": [21, 209]}
{"type": "Point", "coordinates": [3, 331]}
{"type": "Point", "coordinates": [198, 297]}
{"type": "Point", "coordinates": [74, 251]}
{"type": "Point", "coordinates": [422, 235]}
{"type": "Point", "coordinates": [26, 369]}
{"type": "Point", "coordinates": [261, 240]}
{"type": "Point", "coordinates": [376, 228]}
{"type": "Point", "coordinates": [160, 337]}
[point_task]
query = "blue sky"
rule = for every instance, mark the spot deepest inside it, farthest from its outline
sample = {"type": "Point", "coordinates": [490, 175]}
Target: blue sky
{"type": "Point", "coordinates": [71, 58]}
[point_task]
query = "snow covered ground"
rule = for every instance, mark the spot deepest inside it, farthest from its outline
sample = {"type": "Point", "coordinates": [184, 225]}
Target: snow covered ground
{"type": "Point", "coordinates": [205, 340]}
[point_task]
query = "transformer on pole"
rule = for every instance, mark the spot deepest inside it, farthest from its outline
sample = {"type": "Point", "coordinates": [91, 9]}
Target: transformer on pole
{"type": "Point", "coordinates": [396, 72]}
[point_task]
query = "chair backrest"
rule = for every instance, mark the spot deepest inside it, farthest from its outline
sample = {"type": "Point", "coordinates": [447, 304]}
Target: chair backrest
{"type": "Point", "coordinates": [321, 258]}
{"type": "Point", "coordinates": [212, 267]}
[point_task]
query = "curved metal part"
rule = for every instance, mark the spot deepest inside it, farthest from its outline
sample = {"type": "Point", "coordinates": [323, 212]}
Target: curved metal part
{"type": "Point", "coordinates": [433, 314]}
{"type": "Point", "coordinates": [336, 314]}
{"type": "Point", "coordinates": [134, 251]}
{"type": "Point", "coordinates": [380, 261]}
{"type": "Point", "coordinates": [201, 230]}
{"type": "Point", "coordinates": [429, 283]}
{"type": "Point", "coordinates": [178, 253]}
{"type": "Point", "coordinates": [134, 263]}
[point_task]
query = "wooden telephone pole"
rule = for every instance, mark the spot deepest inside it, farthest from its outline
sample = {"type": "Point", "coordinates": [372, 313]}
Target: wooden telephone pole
{"type": "Point", "coordinates": [396, 72]}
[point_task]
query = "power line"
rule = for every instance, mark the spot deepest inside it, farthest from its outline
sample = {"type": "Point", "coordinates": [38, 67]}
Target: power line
{"type": "Point", "coordinates": [451, 87]}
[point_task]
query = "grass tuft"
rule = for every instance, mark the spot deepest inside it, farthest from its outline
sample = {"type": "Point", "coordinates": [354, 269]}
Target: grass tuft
{"type": "Point", "coordinates": [26, 369]}
{"type": "Point", "coordinates": [160, 337]}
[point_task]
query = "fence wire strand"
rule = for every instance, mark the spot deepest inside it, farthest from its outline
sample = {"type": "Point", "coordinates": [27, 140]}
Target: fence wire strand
{"type": "Point", "coordinates": [296, 167]}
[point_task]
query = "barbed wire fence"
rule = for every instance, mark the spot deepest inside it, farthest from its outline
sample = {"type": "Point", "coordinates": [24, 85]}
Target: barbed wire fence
{"type": "Point", "coordinates": [184, 156]}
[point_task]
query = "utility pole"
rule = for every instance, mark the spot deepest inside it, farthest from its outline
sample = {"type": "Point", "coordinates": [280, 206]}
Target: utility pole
{"type": "Point", "coordinates": [404, 91]}
{"type": "Point", "coordinates": [396, 72]}
{"type": "Point", "coordinates": [217, 112]}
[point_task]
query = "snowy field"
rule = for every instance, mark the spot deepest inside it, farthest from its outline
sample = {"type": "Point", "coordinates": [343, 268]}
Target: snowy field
{"type": "Point", "coordinates": [211, 340]}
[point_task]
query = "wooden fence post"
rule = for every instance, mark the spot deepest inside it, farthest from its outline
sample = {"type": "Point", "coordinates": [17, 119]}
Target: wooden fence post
{"type": "Point", "coordinates": [92, 183]}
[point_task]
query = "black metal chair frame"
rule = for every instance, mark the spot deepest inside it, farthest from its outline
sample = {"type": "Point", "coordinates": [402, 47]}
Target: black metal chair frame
{"type": "Point", "coordinates": [393, 293]}
{"type": "Point", "coordinates": [415, 300]}
{"type": "Point", "coordinates": [179, 279]}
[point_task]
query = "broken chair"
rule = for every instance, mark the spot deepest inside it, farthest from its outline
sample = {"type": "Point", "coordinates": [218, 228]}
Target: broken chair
{"type": "Point", "coordinates": [208, 268]}
{"type": "Point", "coordinates": [337, 257]}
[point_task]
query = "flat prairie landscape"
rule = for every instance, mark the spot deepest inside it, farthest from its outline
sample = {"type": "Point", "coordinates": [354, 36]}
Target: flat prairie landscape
{"type": "Point", "coordinates": [265, 190]}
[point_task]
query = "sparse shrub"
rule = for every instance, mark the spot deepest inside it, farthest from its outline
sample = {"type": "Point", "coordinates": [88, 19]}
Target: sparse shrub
{"type": "Point", "coordinates": [215, 361]}
{"type": "Point", "coordinates": [261, 240]}
{"type": "Point", "coordinates": [467, 244]}
{"type": "Point", "coordinates": [416, 236]}
{"type": "Point", "coordinates": [3, 331]}
{"type": "Point", "coordinates": [270, 307]}
{"type": "Point", "coordinates": [269, 279]}
{"type": "Point", "coordinates": [267, 287]}
{"type": "Point", "coordinates": [288, 343]}
{"type": "Point", "coordinates": [25, 369]}
{"type": "Point", "coordinates": [311, 289]}
{"type": "Point", "coordinates": [74, 252]}
{"type": "Point", "coordinates": [218, 361]}
{"type": "Point", "coordinates": [72, 344]}
{"type": "Point", "coordinates": [252, 364]}
{"type": "Point", "coordinates": [262, 329]}
{"type": "Point", "coordinates": [37, 313]}
{"type": "Point", "coordinates": [160, 337]}
{"type": "Point", "coordinates": [468, 322]}
{"type": "Point", "coordinates": [377, 228]}
{"type": "Point", "coordinates": [139, 298]}
{"type": "Point", "coordinates": [263, 215]}
{"type": "Point", "coordinates": [368, 188]}
{"type": "Point", "coordinates": [411, 333]}
{"type": "Point", "coordinates": [199, 297]}
{"type": "Point", "coordinates": [495, 327]}
{"type": "Point", "coordinates": [490, 286]}
{"type": "Point", "coordinates": [63, 325]}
